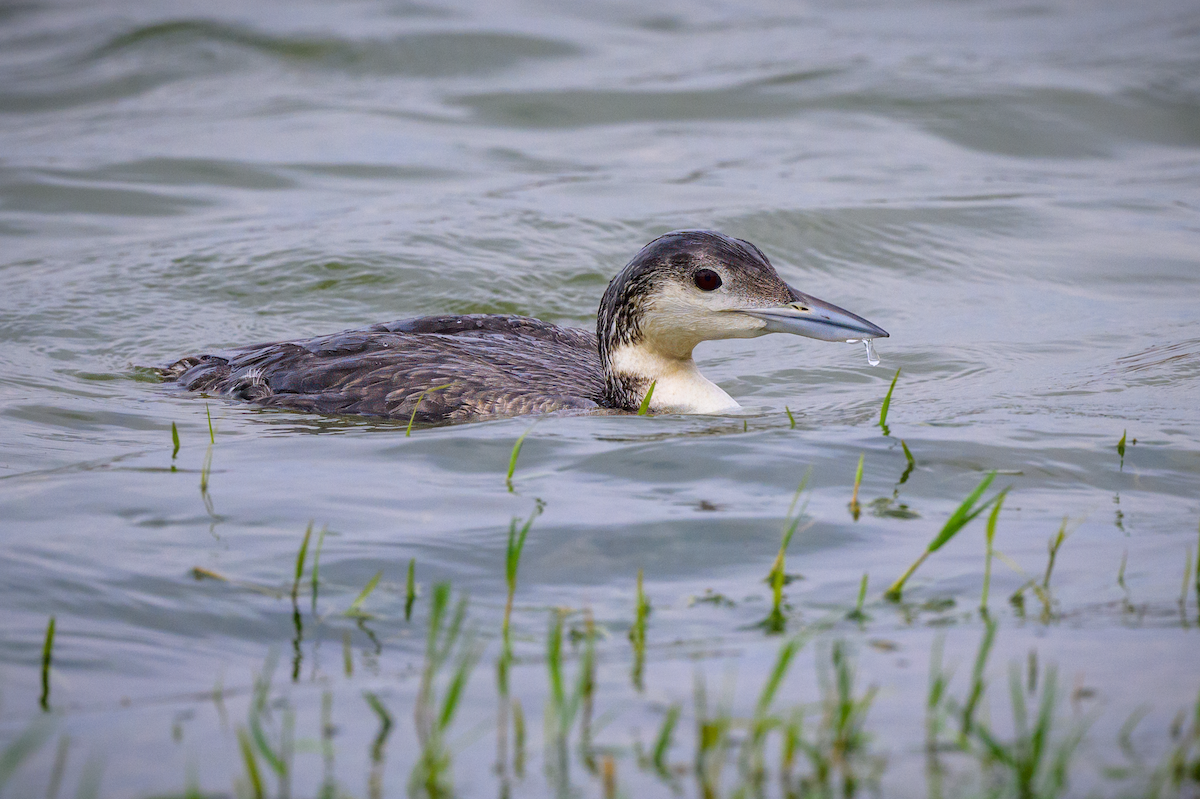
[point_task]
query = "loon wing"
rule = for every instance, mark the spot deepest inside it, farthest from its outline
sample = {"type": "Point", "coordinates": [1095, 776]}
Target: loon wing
{"type": "Point", "coordinates": [447, 368]}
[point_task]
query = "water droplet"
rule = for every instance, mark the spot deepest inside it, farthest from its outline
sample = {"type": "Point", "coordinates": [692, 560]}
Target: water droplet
{"type": "Point", "coordinates": [872, 356]}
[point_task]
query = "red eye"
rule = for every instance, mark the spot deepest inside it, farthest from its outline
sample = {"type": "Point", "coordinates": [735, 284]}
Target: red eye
{"type": "Point", "coordinates": [707, 280]}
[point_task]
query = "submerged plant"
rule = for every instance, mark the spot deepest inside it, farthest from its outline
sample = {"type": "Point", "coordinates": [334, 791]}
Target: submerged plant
{"type": "Point", "coordinates": [355, 610]}
{"type": "Point", "coordinates": [1035, 762]}
{"type": "Point", "coordinates": [753, 754]}
{"type": "Point", "coordinates": [375, 781]}
{"type": "Point", "coordinates": [516, 453]}
{"type": "Point", "coordinates": [887, 402]}
{"type": "Point", "coordinates": [839, 751]}
{"type": "Point", "coordinates": [316, 567]}
{"type": "Point", "coordinates": [777, 577]}
{"type": "Point", "coordinates": [431, 775]}
{"type": "Point", "coordinates": [300, 558]}
{"type": "Point", "coordinates": [990, 538]}
{"type": "Point", "coordinates": [512, 561]}
{"type": "Point", "coordinates": [637, 633]}
{"type": "Point", "coordinates": [712, 740]}
{"type": "Point", "coordinates": [855, 508]}
{"type": "Point", "coordinates": [857, 614]}
{"type": "Point", "coordinates": [967, 511]}
{"type": "Point", "coordinates": [410, 588]}
{"type": "Point", "coordinates": [47, 650]}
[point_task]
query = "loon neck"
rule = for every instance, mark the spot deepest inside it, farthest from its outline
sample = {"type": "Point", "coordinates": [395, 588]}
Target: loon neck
{"type": "Point", "coordinates": [678, 385]}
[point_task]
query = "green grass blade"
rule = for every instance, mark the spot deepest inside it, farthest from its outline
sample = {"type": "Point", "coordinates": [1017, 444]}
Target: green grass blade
{"type": "Point", "coordinates": [912, 463]}
{"type": "Point", "coordinates": [791, 419]}
{"type": "Point", "coordinates": [174, 440]}
{"type": "Point", "coordinates": [410, 589]}
{"type": "Point", "coordinates": [458, 684]}
{"type": "Point", "coordinates": [23, 747]}
{"type": "Point", "coordinates": [662, 743]}
{"type": "Point", "coordinates": [317, 566]}
{"type": "Point", "coordinates": [385, 725]}
{"type": "Point", "coordinates": [782, 662]}
{"type": "Point", "coordinates": [301, 556]}
{"type": "Point", "coordinates": [1121, 444]}
{"type": "Point", "coordinates": [247, 749]}
{"type": "Point", "coordinates": [354, 609]}
{"type": "Point", "coordinates": [645, 406]}
{"type": "Point", "coordinates": [516, 453]}
{"type": "Point", "coordinates": [212, 436]}
{"type": "Point", "coordinates": [964, 514]}
{"type": "Point", "coordinates": [990, 538]}
{"type": "Point", "coordinates": [413, 416]}
{"type": "Point", "coordinates": [47, 650]}
{"type": "Point", "coordinates": [857, 614]}
{"type": "Point", "coordinates": [957, 521]}
{"type": "Point", "coordinates": [887, 403]}
{"type": "Point", "coordinates": [975, 693]}
{"type": "Point", "coordinates": [855, 508]}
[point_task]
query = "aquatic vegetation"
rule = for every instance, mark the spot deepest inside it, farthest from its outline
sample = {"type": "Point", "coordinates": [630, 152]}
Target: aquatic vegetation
{"type": "Point", "coordinates": [431, 774]}
{"type": "Point", "coordinates": [644, 408]}
{"type": "Point", "coordinates": [512, 458]}
{"type": "Point", "coordinates": [512, 562]}
{"type": "Point", "coordinates": [967, 511]}
{"type": "Point", "coordinates": [410, 588]}
{"type": "Point", "coordinates": [855, 508]}
{"type": "Point", "coordinates": [300, 558]}
{"type": "Point", "coordinates": [1034, 762]}
{"type": "Point", "coordinates": [355, 609]}
{"type": "Point", "coordinates": [637, 633]}
{"type": "Point", "coordinates": [752, 759]}
{"type": "Point", "coordinates": [858, 614]}
{"type": "Point", "coordinates": [378, 746]}
{"type": "Point", "coordinates": [47, 652]}
{"type": "Point", "coordinates": [791, 419]}
{"type": "Point", "coordinates": [808, 746]}
{"type": "Point", "coordinates": [910, 461]}
{"type": "Point", "coordinates": [174, 442]}
{"type": "Point", "coordinates": [777, 577]}
{"type": "Point", "coordinates": [413, 416]}
{"type": "Point", "coordinates": [887, 403]}
{"type": "Point", "coordinates": [316, 567]}
{"type": "Point", "coordinates": [990, 539]}
{"type": "Point", "coordinates": [664, 739]}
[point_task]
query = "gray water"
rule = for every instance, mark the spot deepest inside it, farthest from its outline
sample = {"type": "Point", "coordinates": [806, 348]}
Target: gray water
{"type": "Point", "coordinates": [1011, 189]}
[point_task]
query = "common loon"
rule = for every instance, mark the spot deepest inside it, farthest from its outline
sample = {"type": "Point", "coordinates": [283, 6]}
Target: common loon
{"type": "Point", "coordinates": [679, 290]}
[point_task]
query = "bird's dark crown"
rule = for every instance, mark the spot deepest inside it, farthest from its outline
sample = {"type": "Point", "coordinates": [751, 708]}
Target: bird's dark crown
{"type": "Point", "coordinates": [676, 256]}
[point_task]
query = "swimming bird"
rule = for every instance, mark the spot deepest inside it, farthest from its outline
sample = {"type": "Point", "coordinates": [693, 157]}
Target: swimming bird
{"type": "Point", "coordinates": [679, 290]}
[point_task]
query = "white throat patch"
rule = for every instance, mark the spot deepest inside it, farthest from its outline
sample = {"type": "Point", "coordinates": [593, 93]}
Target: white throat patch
{"type": "Point", "coordinates": [678, 385]}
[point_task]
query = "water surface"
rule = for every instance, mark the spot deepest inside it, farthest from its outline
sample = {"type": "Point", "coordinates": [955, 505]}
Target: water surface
{"type": "Point", "coordinates": [1010, 189]}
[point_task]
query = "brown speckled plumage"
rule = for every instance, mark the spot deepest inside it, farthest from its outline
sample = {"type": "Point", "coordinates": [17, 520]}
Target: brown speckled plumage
{"type": "Point", "coordinates": [475, 366]}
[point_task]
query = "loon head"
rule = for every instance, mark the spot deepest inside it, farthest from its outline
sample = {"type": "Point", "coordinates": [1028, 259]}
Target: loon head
{"type": "Point", "coordinates": [692, 286]}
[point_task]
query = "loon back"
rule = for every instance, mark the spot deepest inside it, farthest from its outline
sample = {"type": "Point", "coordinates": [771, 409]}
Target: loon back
{"type": "Point", "coordinates": [446, 368]}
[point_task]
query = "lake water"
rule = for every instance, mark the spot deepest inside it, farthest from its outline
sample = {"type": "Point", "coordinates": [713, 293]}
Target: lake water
{"type": "Point", "coordinates": [1011, 189]}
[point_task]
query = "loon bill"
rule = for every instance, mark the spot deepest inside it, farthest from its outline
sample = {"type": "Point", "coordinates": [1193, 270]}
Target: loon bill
{"type": "Point", "coordinates": [681, 289]}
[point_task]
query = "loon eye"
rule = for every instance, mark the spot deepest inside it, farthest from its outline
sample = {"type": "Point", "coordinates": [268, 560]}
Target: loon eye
{"type": "Point", "coordinates": [707, 280]}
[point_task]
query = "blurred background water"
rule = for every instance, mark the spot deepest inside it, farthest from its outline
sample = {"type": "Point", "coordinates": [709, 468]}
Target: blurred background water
{"type": "Point", "coordinates": [1010, 188]}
